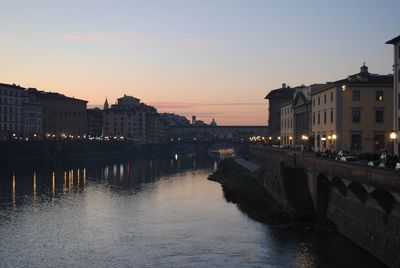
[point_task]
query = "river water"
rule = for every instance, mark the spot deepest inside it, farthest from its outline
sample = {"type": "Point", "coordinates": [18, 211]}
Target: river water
{"type": "Point", "coordinates": [146, 213]}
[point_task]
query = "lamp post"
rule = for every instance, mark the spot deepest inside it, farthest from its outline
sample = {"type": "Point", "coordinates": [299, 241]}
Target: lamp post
{"type": "Point", "coordinates": [393, 138]}
{"type": "Point", "coordinates": [334, 137]}
{"type": "Point", "coordinates": [304, 138]}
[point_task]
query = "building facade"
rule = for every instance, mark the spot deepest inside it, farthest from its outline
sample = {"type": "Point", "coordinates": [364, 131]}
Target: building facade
{"type": "Point", "coordinates": [94, 122]}
{"type": "Point", "coordinates": [353, 114]}
{"type": "Point", "coordinates": [33, 118]}
{"type": "Point", "coordinates": [135, 121]}
{"type": "Point", "coordinates": [11, 112]}
{"type": "Point", "coordinates": [396, 91]}
{"type": "Point", "coordinates": [286, 135]}
{"type": "Point", "coordinates": [63, 117]}
{"type": "Point", "coordinates": [276, 98]}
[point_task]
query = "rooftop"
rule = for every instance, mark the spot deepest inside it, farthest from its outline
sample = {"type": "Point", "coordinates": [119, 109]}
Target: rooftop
{"type": "Point", "coordinates": [394, 41]}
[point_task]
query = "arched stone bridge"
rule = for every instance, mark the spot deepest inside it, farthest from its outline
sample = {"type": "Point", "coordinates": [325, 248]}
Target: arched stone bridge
{"type": "Point", "coordinates": [362, 201]}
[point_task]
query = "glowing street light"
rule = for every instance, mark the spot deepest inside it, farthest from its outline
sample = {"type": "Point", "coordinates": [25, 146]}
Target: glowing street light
{"type": "Point", "coordinates": [393, 137]}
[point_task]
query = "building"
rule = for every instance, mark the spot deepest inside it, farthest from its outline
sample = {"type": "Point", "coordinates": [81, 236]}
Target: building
{"type": "Point", "coordinates": [353, 114]}
{"type": "Point", "coordinates": [302, 115]}
{"type": "Point", "coordinates": [94, 122]}
{"type": "Point", "coordinates": [396, 93]}
{"type": "Point", "coordinates": [276, 98]}
{"type": "Point", "coordinates": [11, 112]}
{"type": "Point", "coordinates": [33, 118]}
{"type": "Point", "coordinates": [132, 120]}
{"type": "Point", "coordinates": [63, 117]}
{"type": "Point", "coordinates": [286, 135]}
{"type": "Point", "coordinates": [125, 120]}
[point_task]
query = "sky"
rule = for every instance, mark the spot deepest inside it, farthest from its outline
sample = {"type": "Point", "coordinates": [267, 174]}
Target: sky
{"type": "Point", "coordinates": [211, 58]}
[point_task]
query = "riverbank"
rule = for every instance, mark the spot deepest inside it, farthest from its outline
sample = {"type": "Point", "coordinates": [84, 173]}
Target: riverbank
{"type": "Point", "coordinates": [241, 187]}
{"type": "Point", "coordinates": [12, 153]}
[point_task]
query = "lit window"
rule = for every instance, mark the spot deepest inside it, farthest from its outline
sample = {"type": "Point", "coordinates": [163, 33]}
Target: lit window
{"type": "Point", "coordinates": [379, 95]}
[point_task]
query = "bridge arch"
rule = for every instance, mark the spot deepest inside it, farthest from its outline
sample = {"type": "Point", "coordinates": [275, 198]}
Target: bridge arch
{"type": "Point", "coordinates": [339, 185]}
{"type": "Point", "coordinates": [324, 187]}
{"type": "Point", "coordinates": [385, 200]}
{"type": "Point", "coordinates": [359, 191]}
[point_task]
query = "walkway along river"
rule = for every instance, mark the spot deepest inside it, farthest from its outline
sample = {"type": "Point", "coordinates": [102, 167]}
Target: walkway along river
{"type": "Point", "coordinates": [146, 213]}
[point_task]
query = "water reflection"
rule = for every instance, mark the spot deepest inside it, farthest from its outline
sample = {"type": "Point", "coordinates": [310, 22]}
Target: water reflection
{"type": "Point", "coordinates": [57, 180]}
{"type": "Point", "coordinates": [146, 213]}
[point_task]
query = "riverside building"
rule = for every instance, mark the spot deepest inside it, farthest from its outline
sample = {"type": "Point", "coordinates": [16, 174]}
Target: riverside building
{"type": "Point", "coordinates": [396, 92]}
{"type": "Point", "coordinates": [63, 117]}
{"type": "Point", "coordinates": [276, 98]}
{"type": "Point", "coordinates": [11, 111]}
{"type": "Point", "coordinates": [353, 114]}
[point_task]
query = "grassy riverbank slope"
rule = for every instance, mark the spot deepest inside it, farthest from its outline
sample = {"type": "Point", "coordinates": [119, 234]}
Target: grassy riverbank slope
{"type": "Point", "coordinates": [241, 187]}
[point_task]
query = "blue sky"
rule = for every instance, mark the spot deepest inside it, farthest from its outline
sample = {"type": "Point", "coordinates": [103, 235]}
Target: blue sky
{"type": "Point", "coordinates": [211, 58]}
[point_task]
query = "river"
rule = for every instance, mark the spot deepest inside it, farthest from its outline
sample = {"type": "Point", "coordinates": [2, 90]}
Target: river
{"type": "Point", "coordinates": [146, 213]}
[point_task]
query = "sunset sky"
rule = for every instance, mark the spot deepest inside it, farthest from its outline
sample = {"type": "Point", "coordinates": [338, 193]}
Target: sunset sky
{"type": "Point", "coordinates": [212, 58]}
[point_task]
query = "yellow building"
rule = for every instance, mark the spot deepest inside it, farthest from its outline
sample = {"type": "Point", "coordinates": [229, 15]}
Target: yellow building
{"type": "Point", "coordinates": [396, 93]}
{"type": "Point", "coordinates": [286, 135]}
{"type": "Point", "coordinates": [353, 114]}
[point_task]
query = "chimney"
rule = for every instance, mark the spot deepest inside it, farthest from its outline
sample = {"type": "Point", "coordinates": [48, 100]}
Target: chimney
{"type": "Point", "coordinates": [283, 85]}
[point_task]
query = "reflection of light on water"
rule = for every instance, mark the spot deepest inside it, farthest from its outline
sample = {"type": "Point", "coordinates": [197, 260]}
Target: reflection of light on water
{"type": "Point", "coordinates": [194, 163]}
{"type": "Point", "coordinates": [65, 182]}
{"type": "Point", "coordinates": [215, 166]}
{"type": "Point", "coordinates": [121, 171]}
{"type": "Point", "coordinates": [71, 179]}
{"type": "Point", "coordinates": [106, 170]}
{"type": "Point", "coordinates": [176, 156]}
{"type": "Point", "coordinates": [305, 257]}
{"type": "Point", "coordinates": [84, 178]}
{"type": "Point", "coordinates": [53, 184]}
{"type": "Point", "coordinates": [78, 174]}
{"type": "Point", "coordinates": [114, 170]}
{"type": "Point", "coordinates": [14, 192]}
{"type": "Point", "coordinates": [34, 185]}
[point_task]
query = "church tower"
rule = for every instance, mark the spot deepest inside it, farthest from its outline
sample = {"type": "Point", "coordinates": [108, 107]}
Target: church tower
{"type": "Point", "coordinates": [105, 105]}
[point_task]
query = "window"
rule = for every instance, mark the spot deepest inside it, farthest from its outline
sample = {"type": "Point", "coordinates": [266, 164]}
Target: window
{"type": "Point", "coordinates": [319, 101]}
{"type": "Point", "coordinates": [356, 115]}
{"type": "Point", "coordinates": [379, 95]}
{"type": "Point", "coordinates": [331, 96]}
{"type": "Point", "coordinates": [378, 116]}
{"type": "Point", "coordinates": [356, 141]}
{"type": "Point", "coordinates": [313, 118]}
{"type": "Point", "coordinates": [325, 98]}
{"type": "Point", "coordinates": [356, 95]}
{"type": "Point", "coordinates": [318, 118]}
{"type": "Point", "coordinates": [324, 117]}
{"type": "Point", "coordinates": [331, 116]}
{"type": "Point", "coordinates": [379, 141]}
{"type": "Point", "coordinates": [313, 102]}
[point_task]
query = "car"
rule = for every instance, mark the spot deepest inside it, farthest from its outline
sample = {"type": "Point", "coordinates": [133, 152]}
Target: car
{"type": "Point", "coordinates": [237, 155]}
{"type": "Point", "coordinates": [349, 158]}
{"type": "Point", "coordinates": [374, 163]}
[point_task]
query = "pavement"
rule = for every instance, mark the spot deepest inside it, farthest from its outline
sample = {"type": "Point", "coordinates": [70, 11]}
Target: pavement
{"type": "Point", "coordinates": [250, 166]}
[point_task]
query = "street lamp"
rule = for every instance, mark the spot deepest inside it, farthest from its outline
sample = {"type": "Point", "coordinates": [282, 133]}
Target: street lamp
{"type": "Point", "coordinates": [393, 138]}
{"type": "Point", "coordinates": [334, 137]}
{"type": "Point", "coordinates": [304, 138]}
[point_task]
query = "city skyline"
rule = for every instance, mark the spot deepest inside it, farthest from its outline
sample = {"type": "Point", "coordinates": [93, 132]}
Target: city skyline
{"type": "Point", "coordinates": [211, 59]}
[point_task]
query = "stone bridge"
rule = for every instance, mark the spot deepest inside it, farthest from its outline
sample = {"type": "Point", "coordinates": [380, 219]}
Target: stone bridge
{"type": "Point", "coordinates": [362, 201]}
